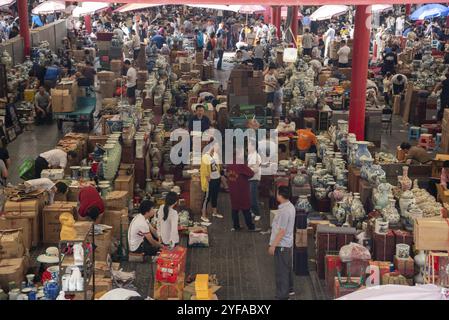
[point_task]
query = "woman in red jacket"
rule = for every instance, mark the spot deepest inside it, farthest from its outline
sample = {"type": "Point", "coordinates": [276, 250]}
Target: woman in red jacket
{"type": "Point", "coordinates": [90, 204]}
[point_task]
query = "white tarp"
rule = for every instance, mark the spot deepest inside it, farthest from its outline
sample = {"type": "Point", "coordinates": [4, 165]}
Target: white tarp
{"type": "Point", "coordinates": [215, 7]}
{"type": "Point", "coordinates": [249, 9]}
{"type": "Point", "coordinates": [6, 3]}
{"type": "Point", "coordinates": [87, 8]}
{"type": "Point", "coordinates": [49, 7]}
{"type": "Point", "coordinates": [135, 6]}
{"type": "Point", "coordinates": [398, 292]}
{"type": "Point", "coordinates": [328, 11]}
{"type": "Point", "coordinates": [381, 7]}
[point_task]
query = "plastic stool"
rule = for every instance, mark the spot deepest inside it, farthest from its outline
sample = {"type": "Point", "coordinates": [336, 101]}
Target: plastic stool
{"type": "Point", "coordinates": [414, 133]}
{"type": "Point", "coordinates": [424, 130]}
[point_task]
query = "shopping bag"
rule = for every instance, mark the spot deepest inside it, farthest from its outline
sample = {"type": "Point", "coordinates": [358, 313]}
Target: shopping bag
{"type": "Point", "coordinates": [26, 170]}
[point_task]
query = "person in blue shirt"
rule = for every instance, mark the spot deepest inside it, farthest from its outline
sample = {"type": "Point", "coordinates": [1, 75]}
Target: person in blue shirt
{"type": "Point", "coordinates": [199, 40]}
{"type": "Point", "coordinates": [36, 21]}
{"type": "Point", "coordinates": [159, 40]}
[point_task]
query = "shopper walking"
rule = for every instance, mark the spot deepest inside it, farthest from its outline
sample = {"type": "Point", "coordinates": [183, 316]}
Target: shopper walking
{"type": "Point", "coordinates": [281, 244]}
{"type": "Point", "coordinates": [343, 55]}
{"type": "Point", "coordinates": [135, 44]}
{"type": "Point", "coordinates": [220, 46]}
{"type": "Point", "coordinates": [307, 43]}
{"type": "Point", "coordinates": [210, 47]}
{"type": "Point", "coordinates": [238, 175]}
{"type": "Point", "coordinates": [131, 82]}
{"type": "Point", "coordinates": [387, 88]}
{"type": "Point", "coordinates": [167, 221]}
{"type": "Point", "coordinates": [210, 171]}
{"type": "Point", "coordinates": [259, 54]}
{"type": "Point", "coordinates": [254, 162]}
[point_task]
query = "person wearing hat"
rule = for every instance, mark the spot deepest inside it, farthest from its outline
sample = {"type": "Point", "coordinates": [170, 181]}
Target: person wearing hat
{"type": "Point", "coordinates": [90, 204]}
{"type": "Point", "coordinates": [142, 236]}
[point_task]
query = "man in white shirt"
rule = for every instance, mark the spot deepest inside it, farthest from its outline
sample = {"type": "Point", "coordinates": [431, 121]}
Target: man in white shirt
{"type": "Point", "coordinates": [328, 37]}
{"type": "Point", "coordinates": [399, 82]}
{"type": "Point", "coordinates": [259, 53]}
{"type": "Point", "coordinates": [307, 42]}
{"type": "Point", "coordinates": [400, 25]}
{"type": "Point", "coordinates": [343, 55]}
{"type": "Point", "coordinates": [142, 236]}
{"type": "Point", "coordinates": [47, 185]}
{"type": "Point", "coordinates": [136, 43]}
{"type": "Point", "coordinates": [55, 158]}
{"type": "Point", "coordinates": [254, 162]}
{"type": "Point", "coordinates": [131, 82]}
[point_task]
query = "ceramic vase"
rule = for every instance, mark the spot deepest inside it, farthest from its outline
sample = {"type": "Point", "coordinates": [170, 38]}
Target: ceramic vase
{"type": "Point", "coordinates": [303, 204]}
{"type": "Point", "coordinates": [420, 261]}
{"type": "Point", "coordinates": [407, 199]}
{"type": "Point", "coordinates": [390, 213]}
{"type": "Point", "coordinates": [404, 181]}
{"type": "Point", "coordinates": [357, 210]}
{"type": "Point", "coordinates": [362, 153]}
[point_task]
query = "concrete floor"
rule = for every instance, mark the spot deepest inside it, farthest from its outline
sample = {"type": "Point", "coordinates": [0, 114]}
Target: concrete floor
{"type": "Point", "coordinates": [239, 259]}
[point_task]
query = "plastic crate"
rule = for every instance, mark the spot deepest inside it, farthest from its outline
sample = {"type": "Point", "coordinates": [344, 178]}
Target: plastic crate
{"type": "Point", "coordinates": [170, 264]}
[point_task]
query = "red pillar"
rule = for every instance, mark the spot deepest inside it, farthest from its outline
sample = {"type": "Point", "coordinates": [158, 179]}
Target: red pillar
{"type": "Point", "coordinates": [276, 19]}
{"type": "Point", "coordinates": [273, 15]}
{"type": "Point", "coordinates": [22, 6]}
{"type": "Point", "coordinates": [359, 71]}
{"type": "Point", "coordinates": [88, 24]}
{"type": "Point", "coordinates": [408, 9]}
{"type": "Point", "coordinates": [294, 25]}
{"type": "Point", "coordinates": [267, 15]}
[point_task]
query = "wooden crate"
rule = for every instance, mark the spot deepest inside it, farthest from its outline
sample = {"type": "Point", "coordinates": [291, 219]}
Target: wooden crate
{"type": "Point", "coordinates": [125, 183]}
{"type": "Point", "coordinates": [431, 234]}
{"type": "Point", "coordinates": [117, 199]}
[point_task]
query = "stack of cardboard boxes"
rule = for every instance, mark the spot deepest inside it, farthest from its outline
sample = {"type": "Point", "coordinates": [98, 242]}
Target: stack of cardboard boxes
{"type": "Point", "coordinates": [64, 96]}
{"type": "Point", "coordinates": [107, 83]}
{"type": "Point", "coordinates": [116, 67]}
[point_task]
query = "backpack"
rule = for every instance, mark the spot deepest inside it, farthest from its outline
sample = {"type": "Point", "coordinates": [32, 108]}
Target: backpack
{"type": "Point", "coordinates": [209, 46]}
{"type": "Point", "coordinates": [200, 40]}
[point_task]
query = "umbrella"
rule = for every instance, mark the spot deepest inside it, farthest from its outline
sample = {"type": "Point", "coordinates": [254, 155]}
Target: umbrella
{"type": "Point", "coordinates": [328, 11]}
{"type": "Point", "coordinates": [429, 11]}
{"type": "Point", "coordinates": [88, 8]}
{"type": "Point", "coordinates": [135, 6]}
{"type": "Point", "coordinates": [381, 7]}
{"type": "Point", "coordinates": [49, 7]}
{"type": "Point", "coordinates": [6, 3]}
{"type": "Point", "coordinates": [250, 9]}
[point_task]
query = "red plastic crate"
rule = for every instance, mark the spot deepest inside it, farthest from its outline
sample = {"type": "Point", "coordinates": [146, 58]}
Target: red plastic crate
{"type": "Point", "coordinates": [170, 264]}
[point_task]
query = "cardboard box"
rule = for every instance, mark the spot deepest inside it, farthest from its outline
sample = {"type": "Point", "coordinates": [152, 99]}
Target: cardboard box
{"type": "Point", "coordinates": [50, 219]}
{"type": "Point", "coordinates": [28, 222]}
{"type": "Point", "coordinates": [103, 243]}
{"type": "Point", "coordinates": [106, 76]}
{"type": "Point", "coordinates": [117, 200]}
{"type": "Point", "coordinates": [107, 88]}
{"type": "Point", "coordinates": [62, 101]}
{"type": "Point", "coordinates": [431, 234]}
{"type": "Point", "coordinates": [125, 183]}
{"type": "Point", "coordinates": [11, 241]}
{"type": "Point", "coordinates": [71, 85]}
{"type": "Point", "coordinates": [117, 219]}
{"type": "Point", "coordinates": [406, 267]}
{"type": "Point", "coordinates": [12, 270]}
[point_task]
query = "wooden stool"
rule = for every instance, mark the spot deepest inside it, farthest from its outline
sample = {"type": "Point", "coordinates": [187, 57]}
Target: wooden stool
{"type": "Point", "coordinates": [135, 257]}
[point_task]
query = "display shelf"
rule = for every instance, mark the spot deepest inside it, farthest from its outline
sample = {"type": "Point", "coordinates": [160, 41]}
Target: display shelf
{"type": "Point", "coordinates": [85, 234]}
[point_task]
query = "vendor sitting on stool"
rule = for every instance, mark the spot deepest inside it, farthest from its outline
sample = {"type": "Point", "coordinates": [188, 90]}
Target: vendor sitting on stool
{"type": "Point", "coordinates": [306, 141]}
{"type": "Point", "coordinates": [90, 204]}
{"type": "Point", "coordinates": [142, 236]}
{"type": "Point", "coordinates": [416, 154]}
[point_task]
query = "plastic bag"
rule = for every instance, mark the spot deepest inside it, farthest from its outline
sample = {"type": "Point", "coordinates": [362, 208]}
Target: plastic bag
{"type": "Point", "coordinates": [198, 239]}
{"type": "Point", "coordinates": [354, 251]}
{"type": "Point", "coordinates": [26, 169]}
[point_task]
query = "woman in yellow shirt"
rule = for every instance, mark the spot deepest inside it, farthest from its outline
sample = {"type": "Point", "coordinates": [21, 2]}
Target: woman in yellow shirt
{"type": "Point", "coordinates": [210, 171]}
